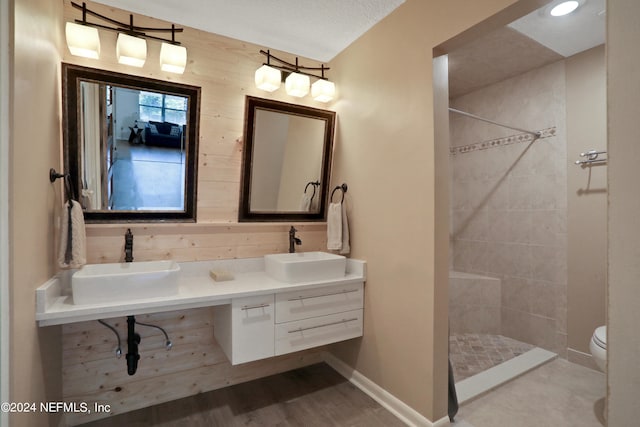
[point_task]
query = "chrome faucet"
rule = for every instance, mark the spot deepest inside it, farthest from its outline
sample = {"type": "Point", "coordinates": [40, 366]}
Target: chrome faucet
{"type": "Point", "coordinates": [293, 240]}
{"type": "Point", "coordinates": [128, 246]}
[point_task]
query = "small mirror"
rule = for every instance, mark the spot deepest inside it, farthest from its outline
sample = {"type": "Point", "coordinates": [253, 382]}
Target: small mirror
{"type": "Point", "coordinates": [130, 145]}
{"type": "Point", "coordinates": [287, 160]}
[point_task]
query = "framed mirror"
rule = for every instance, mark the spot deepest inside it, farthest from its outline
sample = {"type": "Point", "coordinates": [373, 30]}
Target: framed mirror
{"type": "Point", "coordinates": [130, 145]}
{"type": "Point", "coordinates": [286, 161]}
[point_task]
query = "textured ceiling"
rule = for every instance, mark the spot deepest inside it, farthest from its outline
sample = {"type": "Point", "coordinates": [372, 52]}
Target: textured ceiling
{"type": "Point", "coordinates": [310, 28]}
{"type": "Point", "coordinates": [497, 56]}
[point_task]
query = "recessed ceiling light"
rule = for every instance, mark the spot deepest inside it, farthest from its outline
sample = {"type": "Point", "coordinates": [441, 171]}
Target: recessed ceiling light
{"type": "Point", "coordinates": [565, 8]}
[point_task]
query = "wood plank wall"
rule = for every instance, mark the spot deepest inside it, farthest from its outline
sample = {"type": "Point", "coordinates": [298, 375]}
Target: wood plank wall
{"type": "Point", "coordinates": [224, 69]}
{"type": "Point", "coordinates": [195, 364]}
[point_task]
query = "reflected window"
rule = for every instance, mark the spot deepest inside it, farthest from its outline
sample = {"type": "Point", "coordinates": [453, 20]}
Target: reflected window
{"type": "Point", "coordinates": [162, 107]}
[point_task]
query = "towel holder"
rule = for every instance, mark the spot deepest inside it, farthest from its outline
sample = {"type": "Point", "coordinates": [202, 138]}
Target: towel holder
{"type": "Point", "coordinates": [342, 188]}
{"type": "Point", "coordinates": [314, 184]}
{"type": "Point", "coordinates": [54, 175]}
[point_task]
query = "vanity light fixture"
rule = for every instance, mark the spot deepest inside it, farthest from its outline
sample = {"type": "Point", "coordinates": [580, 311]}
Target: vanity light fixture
{"type": "Point", "coordinates": [297, 79]}
{"type": "Point", "coordinates": [268, 78]}
{"type": "Point", "coordinates": [173, 57]}
{"type": "Point", "coordinates": [131, 50]}
{"type": "Point", "coordinates": [131, 47]}
{"type": "Point", "coordinates": [323, 90]}
{"type": "Point", "coordinates": [297, 84]}
{"type": "Point", "coordinates": [564, 8]}
{"type": "Point", "coordinates": [82, 40]}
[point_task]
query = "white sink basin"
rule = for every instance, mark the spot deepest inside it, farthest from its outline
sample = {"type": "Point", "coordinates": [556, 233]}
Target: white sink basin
{"type": "Point", "coordinates": [105, 283]}
{"type": "Point", "coordinates": [305, 266]}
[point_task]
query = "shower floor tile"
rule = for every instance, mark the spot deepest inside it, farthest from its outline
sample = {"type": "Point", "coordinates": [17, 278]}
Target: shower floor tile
{"type": "Point", "coordinates": [471, 354]}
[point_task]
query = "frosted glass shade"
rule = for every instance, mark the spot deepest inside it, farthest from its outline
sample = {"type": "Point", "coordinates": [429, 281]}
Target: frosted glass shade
{"type": "Point", "coordinates": [268, 78]}
{"type": "Point", "coordinates": [131, 50]}
{"type": "Point", "coordinates": [173, 58]}
{"type": "Point", "coordinates": [82, 40]}
{"type": "Point", "coordinates": [297, 85]}
{"type": "Point", "coordinates": [323, 90]}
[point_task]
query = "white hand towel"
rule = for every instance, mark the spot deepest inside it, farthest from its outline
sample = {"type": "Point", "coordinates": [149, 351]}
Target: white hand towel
{"type": "Point", "coordinates": [73, 240]}
{"type": "Point", "coordinates": [305, 202]}
{"type": "Point", "coordinates": [346, 248]}
{"type": "Point", "coordinates": [334, 227]}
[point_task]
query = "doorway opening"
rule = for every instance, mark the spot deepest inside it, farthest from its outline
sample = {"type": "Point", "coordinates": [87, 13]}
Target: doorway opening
{"type": "Point", "coordinates": [514, 192]}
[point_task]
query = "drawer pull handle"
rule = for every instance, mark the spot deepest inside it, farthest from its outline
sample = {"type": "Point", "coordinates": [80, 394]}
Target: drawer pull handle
{"type": "Point", "coordinates": [250, 307]}
{"type": "Point", "coordinates": [344, 291]}
{"type": "Point", "coordinates": [323, 325]}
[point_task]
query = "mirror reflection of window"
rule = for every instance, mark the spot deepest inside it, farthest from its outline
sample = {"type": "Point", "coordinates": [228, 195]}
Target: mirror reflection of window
{"type": "Point", "coordinates": [132, 140]}
{"type": "Point", "coordinates": [162, 107]}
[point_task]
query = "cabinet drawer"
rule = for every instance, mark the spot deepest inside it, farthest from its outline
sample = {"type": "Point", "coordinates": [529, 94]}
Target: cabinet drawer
{"type": "Point", "coordinates": [298, 305]}
{"type": "Point", "coordinates": [303, 334]}
{"type": "Point", "coordinates": [252, 328]}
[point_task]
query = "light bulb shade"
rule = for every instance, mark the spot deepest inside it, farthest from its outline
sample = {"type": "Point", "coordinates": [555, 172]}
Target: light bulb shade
{"type": "Point", "coordinates": [131, 50]}
{"type": "Point", "coordinates": [268, 78]}
{"type": "Point", "coordinates": [173, 58]}
{"type": "Point", "coordinates": [297, 85]}
{"type": "Point", "coordinates": [83, 40]}
{"type": "Point", "coordinates": [323, 90]}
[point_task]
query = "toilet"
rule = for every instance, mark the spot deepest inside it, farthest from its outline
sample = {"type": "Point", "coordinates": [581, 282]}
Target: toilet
{"type": "Point", "coordinates": [598, 347]}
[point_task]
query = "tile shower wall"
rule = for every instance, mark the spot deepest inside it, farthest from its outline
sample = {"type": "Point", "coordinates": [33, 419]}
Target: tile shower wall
{"type": "Point", "coordinates": [509, 204]}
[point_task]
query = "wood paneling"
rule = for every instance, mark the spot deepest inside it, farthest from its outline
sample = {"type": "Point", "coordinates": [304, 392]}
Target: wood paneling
{"type": "Point", "coordinates": [224, 69]}
{"type": "Point", "coordinates": [196, 364]}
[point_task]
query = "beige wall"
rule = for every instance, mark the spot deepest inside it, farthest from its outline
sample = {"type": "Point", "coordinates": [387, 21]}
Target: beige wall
{"type": "Point", "coordinates": [386, 152]}
{"type": "Point", "coordinates": [623, 92]}
{"type": "Point", "coordinates": [35, 147]}
{"type": "Point", "coordinates": [586, 200]}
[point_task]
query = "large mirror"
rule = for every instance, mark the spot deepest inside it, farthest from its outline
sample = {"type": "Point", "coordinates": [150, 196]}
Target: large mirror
{"type": "Point", "coordinates": [131, 145]}
{"type": "Point", "coordinates": [286, 163]}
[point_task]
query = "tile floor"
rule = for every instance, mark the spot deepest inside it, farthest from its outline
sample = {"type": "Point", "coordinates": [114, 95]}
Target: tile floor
{"type": "Point", "coordinates": [473, 353]}
{"type": "Point", "coordinates": [558, 394]}
{"type": "Point", "coordinates": [148, 178]}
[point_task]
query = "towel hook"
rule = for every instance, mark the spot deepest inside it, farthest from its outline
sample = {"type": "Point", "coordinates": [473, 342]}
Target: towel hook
{"type": "Point", "coordinates": [54, 175]}
{"type": "Point", "coordinates": [343, 188]}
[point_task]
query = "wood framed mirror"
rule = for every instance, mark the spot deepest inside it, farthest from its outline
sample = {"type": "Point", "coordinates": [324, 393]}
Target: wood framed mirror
{"type": "Point", "coordinates": [130, 145]}
{"type": "Point", "coordinates": [286, 161]}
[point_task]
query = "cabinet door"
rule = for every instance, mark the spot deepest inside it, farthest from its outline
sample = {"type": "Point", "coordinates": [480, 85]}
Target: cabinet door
{"type": "Point", "coordinates": [252, 328]}
{"type": "Point", "coordinates": [298, 305]}
{"type": "Point", "coordinates": [317, 331]}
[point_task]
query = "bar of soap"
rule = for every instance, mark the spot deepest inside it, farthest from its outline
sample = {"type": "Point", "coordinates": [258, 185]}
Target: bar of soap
{"type": "Point", "coordinates": [221, 275]}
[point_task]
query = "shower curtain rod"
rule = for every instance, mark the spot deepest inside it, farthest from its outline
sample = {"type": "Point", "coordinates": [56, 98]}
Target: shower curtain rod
{"type": "Point", "coordinates": [473, 116]}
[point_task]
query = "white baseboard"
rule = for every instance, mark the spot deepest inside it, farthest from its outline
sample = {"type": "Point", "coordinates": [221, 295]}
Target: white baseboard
{"type": "Point", "coordinates": [388, 401]}
{"type": "Point", "coordinates": [581, 358]}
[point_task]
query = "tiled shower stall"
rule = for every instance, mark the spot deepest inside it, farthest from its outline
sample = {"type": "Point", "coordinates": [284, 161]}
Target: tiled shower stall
{"type": "Point", "coordinates": [509, 210]}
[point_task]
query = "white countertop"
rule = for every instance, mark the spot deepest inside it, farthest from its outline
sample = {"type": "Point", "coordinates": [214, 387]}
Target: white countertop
{"type": "Point", "coordinates": [54, 302]}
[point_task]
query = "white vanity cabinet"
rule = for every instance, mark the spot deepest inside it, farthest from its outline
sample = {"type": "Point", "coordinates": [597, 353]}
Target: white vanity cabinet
{"type": "Point", "coordinates": [253, 328]}
{"type": "Point", "coordinates": [244, 328]}
{"type": "Point", "coordinates": [318, 316]}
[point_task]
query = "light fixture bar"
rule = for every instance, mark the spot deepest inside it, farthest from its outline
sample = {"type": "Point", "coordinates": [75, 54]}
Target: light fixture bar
{"type": "Point", "coordinates": [294, 68]}
{"type": "Point", "coordinates": [122, 27]}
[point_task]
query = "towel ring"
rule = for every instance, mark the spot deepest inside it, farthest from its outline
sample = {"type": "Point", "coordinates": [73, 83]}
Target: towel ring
{"type": "Point", "coordinates": [343, 188]}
